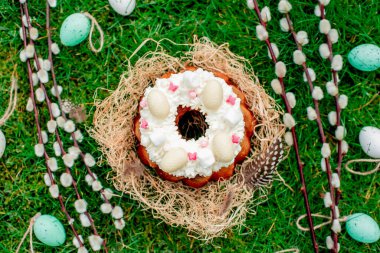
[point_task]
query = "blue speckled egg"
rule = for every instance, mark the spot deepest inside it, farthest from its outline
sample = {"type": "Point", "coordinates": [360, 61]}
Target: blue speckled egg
{"type": "Point", "coordinates": [362, 228]}
{"type": "Point", "coordinates": [75, 29]}
{"type": "Point", "coordinates": [49, 230]}
{"type": "Point", "coordinates": [365, 57]}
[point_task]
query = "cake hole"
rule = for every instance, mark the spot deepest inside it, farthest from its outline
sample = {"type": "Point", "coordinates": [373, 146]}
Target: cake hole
{"type": "Point", "coordinates": [192, 125]}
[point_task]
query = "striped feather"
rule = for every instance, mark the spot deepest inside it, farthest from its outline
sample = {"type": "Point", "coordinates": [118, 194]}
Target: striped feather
{"type": "Point", "coordinates": [259, 172]}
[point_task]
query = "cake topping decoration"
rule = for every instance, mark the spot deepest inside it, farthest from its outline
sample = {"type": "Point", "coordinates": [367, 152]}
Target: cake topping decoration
{"type": "Point", "coordinates": [173, 160]}
{"type": "Point", "coordinates": [143, 103]}
{"type": "Point", "coordinates": [231, 100]}
{"type": "Point", "coordinates": [158, 104]}
{"type": "Point", "coordinates": [222, 147]}
{"type": "Point", "coordinates": [192, 156]}
{"type": "Point", "coordinates": [212, 95]}
{"type": "Point", "coordinates": [192, 94]}
{"type": "Point", "coordinates": [173, 87]}
{"type": "Point", "coordinates": [235, 139]}
{"type": "Point", "coordinates": [144, 124]}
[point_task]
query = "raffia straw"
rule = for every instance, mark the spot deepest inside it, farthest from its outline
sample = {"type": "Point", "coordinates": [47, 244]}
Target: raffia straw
{"type": "Point", "coordinates": [295, 250]}
{"type": "Point", "coordinates": [30, 232]}
{"type": "Point", "coordinates": [208, 212]}
{"type": "Point", "coordinates": [101, 33]}
{"type": "Point", "coordinates": [12, 101]}
{"type": "Point", "coordinates": [366, 173]}
{"type": "Point", "coordinates": [305, 229]}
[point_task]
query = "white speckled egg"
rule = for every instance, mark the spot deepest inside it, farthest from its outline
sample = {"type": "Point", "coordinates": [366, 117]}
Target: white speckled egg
{"type": "Point", "coordinates": [74, 29]}
{"type": "Point", "coordinates": [173, 160]}
{"type": "Point", "coordinates": [123, 7]}
{"type": "Point", "coordinates": [365, 57]}
{"type": "Point", "coordinates": [2, 143]}
{"type": "Point", "coordinates": [212, 95]}
{"type": "Point", "coordinates": [222, 147]}
{"type": "Point", "coordinates": [369, 139]}
{"type": "Point", "coordinates": [158, 104]}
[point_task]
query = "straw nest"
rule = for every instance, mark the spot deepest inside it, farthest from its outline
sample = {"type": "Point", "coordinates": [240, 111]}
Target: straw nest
{"type": "Point", "coordinates": [208, 212]}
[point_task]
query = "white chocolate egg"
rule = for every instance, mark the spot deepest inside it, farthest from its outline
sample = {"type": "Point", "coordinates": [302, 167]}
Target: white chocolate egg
{"type": "Point", "coordinates": [173, 160]}
{"type": "Point", "coordinates": [222, 147]}
{"type": "Point", "coordinates": [158, 104]}
{"type": "Point", "coordinates": [212, 95]}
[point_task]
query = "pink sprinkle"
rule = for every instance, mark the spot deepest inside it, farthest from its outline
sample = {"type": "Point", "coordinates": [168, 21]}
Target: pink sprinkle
{"type": "Point", "coordinates": [173, 87]}
{"type": "Point", "coordinates": [192, 94]}
{"type": "Point", "coordinates": [192, 156]}
{"type": "Point", "coordinates": [144, 124]}
{"type": "Point", "coordinates": [143, 103]}
{"type": "Point", "coordinates": [235, 139]}
{"type": "Point", "coordinates": [203, 143]}
{"type": "Point", "coordinates": [231, 100]}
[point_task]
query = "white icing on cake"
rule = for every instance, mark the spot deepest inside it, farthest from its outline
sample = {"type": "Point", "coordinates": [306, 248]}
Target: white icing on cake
{"type": "Point", "coordinates": [159, 136]}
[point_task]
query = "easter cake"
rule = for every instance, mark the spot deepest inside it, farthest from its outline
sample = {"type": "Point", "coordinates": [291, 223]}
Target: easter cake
{"type": "Point", "coordinates": [226, 131]}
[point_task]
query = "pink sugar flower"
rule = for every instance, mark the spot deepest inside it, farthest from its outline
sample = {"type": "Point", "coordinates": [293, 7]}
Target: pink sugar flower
{"type": "Point", "coordinates": [231, 100]}
{"type": "Point", "coordinates": [192, 94]}
{"type": "Point", "coordinates": [173, 87]}
{"type": "Point", "coordinates": [144, 124]}
{"type": "Point", "coordinates": [192, 156]}
{"type": "Point", "coordinates": [143, 103]}
{"type": "Point", "coordinates": [235, 139]}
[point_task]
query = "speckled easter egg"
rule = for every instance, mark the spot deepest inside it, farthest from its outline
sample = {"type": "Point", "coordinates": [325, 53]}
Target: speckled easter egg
{"type": "Point", "coordinates": [369, 138]}
{"type": "Point", "coordinates": [365, 57]}
{"type": "Point", "coordinates": [49, 230]}
{"type": "Point", "coordinates": [75, 29]}
{"type": "Point", "coordinates": [123, 7]}
{"type": "Point", "coordinates": [2, 143]}
{"type": "Point", "coordinates": [362, 228]}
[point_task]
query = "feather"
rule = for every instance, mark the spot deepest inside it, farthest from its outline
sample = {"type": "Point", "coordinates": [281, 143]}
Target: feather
{"type": "Point", "coordinates": [133, 169]}
{"type": "Point", "coordinates": [259, 172]}
{"type": "Point", "coordinates": [227, 201]}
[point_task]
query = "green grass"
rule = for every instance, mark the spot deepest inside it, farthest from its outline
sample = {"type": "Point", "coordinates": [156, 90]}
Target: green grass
{"type": "Point", "coordinates": [81, 73]}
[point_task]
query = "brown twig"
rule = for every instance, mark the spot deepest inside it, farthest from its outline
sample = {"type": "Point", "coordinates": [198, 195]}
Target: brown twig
{"type": "Point", "coordinates": [320, 129]}
{"type": "Point", "coordinates": [295, 140]}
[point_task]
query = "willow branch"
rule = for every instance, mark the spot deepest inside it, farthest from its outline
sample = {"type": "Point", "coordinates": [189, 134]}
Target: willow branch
{"type": "Point", "coordinates": [320, 129]}
{"type": "Point", "coordinates": [36, 117]}
{"type": "Point", "coordinates": [294, 136]}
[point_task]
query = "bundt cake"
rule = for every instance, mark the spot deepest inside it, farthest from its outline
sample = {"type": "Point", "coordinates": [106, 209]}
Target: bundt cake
{"type": "Point", "coordinates": [227, 127]}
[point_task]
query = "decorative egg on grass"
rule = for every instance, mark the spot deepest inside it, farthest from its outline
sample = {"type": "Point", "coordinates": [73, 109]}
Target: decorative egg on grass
{"type": "Point", "coordinates": [362, 228]}
{"type": "Point", "coordinates": [2, 143]}
{"type": "Point", "coordinates": [369, 138]}
{"type": "Point", "coordinates": [365, 57]}
{"type": "Point", "coordinates": [75, 29]}
{"type": "Point", "coordinates": [123, 7]}
{"type": "Point", "coordinates": [49, 230]}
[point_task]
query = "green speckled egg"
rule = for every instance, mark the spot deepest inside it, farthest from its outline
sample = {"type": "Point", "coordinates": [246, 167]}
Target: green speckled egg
{"type": "Point", "coordinates": [49, 230]}
{"type": "Point", "coordinates": [362, 228]}
{"type": "Point", "coordinates": [75, 29]}
{"type": "Point", "coordinates": [365, 57]}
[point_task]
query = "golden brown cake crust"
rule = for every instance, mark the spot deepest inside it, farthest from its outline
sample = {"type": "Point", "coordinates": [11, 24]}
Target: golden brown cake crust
{"type": "Point", "coordinates": [224, 173]}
